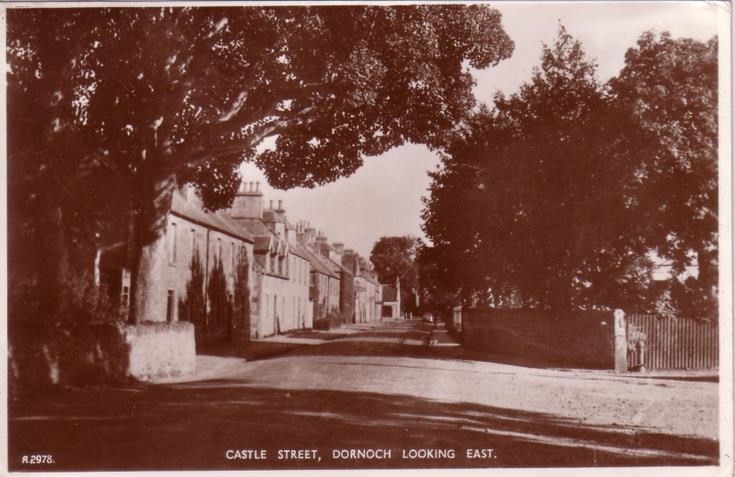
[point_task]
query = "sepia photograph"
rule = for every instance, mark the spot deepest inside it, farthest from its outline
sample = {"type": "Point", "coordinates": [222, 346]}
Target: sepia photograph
{"type": "Point", "coordinates": [385, 236]}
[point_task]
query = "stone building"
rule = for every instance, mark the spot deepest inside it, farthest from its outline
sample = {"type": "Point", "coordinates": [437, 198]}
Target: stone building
{"type": "Point", "coordinates": [200, 271]}
{"type": "Point", "coordinates": [332, 257]}
{"type": "Point", "coordinates": [390, 304]}
{"type": "Point", "coordinates": [324, 289]}
{"type": "Point", "coordinates": [366, 286]}
{"type": "Point", "coordinates": [328, 287]}
{"type": "Point", "coordinates": [247, 273]}
{"type": "Point", "coordinates": [283, 293]}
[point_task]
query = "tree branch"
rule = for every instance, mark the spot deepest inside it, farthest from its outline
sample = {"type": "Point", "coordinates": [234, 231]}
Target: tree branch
{"type": "Point", "coordinates": [209, 150]}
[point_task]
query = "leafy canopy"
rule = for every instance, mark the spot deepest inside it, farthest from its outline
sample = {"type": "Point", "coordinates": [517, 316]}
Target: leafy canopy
{"type": "Point", "coordinates": [189, 92]}
{"type": "Point", "coordinates": [557, 196]}
{"type": "Point", "coordinates": [111, 108]}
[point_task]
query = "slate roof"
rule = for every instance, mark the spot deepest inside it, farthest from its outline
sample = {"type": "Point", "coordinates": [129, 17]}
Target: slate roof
{"type": "Point", "coordinates": [336, 267]}
{"type": "Point", "coordinates": [255, 227]}
{"type": "Point", "coordinates": [299, 251]}
{"type": "Point", "coordinates": [262, 243]}
{"type": "Point", "coordinates": [369, 276]}
{"type": "Point", "coordinates": [273, 215]}
{"type": "Point", "coordinates": [192, 211]}
{"type": "Point", "coordinates": [318, 264]}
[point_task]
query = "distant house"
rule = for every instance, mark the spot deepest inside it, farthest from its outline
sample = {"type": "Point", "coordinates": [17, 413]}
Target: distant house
{"type": "Point", "coordinates": [390, 305]}
{"type": "Point", "coordinates": [324, 287]}
{"type": "Point", "coordinates": [366, 286]}
{"type": "Point", "coordinates": [333, 253]}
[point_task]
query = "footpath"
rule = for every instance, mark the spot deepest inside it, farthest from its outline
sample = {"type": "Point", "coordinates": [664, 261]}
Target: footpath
{"type": "Point", "coordinates": [216, 361]}
{"type": "Point", "coordinates": [440, 337]}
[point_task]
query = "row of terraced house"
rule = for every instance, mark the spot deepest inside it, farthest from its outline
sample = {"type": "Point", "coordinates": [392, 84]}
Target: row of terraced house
{"type": "Point", "coordinates": [249, 272]}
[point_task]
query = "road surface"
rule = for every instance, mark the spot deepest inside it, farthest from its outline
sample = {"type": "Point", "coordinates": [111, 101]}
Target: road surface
{"type": "Point", "coordinates": [371, 397]}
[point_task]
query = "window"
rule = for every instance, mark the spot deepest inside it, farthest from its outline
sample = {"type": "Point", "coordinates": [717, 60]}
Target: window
{"type": "Point", "coordinates": [219, 248]}
{"type": "Point", "coordinates": [124, 297]}
{"type": "Point", "coordinates": [172, 243]}
{"type": "Point", "coordinates": [232, 256]}
{"type": "Point", "coordinates": [170, 303]}
{"type": "Point", "coordinates": [193, 242]}
{"type": "Point", "coordinates": [244, 317]}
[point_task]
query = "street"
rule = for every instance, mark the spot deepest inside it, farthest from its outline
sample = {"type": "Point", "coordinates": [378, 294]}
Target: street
{"type": "Point", "coordinates": [370, 396]}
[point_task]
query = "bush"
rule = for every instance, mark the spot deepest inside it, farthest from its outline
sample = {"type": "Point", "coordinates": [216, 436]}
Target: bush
{"type": "Point", "coordinates": [39, 340]}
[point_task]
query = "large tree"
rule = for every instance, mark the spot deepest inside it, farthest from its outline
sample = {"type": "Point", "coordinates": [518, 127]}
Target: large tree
{"type": "Point", "coordinates": [668, 92]}
{"type": "Point", "coordinates": [558, 195]}
{"type": "Point", "coordinates": [395, 258]}
{"type": "Point", "coordinates": [143, 99]}
{"type": "Point", "coordinates": [516, 202]}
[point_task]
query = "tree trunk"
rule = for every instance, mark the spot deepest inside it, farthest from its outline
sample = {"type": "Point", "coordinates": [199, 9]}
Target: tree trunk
{"type": "Point", "coordinates": [152, 202]}
{"type": "Point", "coordinates": [52, 260]}
{"type": "Point", "coordinates": [140, 272]}
{"type": "Point", "coordinates": [708, 278]}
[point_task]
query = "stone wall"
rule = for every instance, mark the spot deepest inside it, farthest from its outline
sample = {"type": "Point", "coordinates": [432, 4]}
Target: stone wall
{"type": "Point", "coordinates": [160, 349]}
{"type": "Point", "coordinates": [583, 339]}
{"type": "Point", "coordinates": [102, 352]}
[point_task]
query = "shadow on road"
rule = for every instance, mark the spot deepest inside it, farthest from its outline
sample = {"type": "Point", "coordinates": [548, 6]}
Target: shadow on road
{"type": "Point", "coordinates": [410, 339]}
{"type": "Point", "coordinates": [190, 426]}
{"type": "Point", "coordinates": [355, 342]}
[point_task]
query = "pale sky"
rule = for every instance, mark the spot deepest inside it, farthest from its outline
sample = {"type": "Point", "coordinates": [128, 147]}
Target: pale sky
{"type": "Point", "coordinates": [383, 197]}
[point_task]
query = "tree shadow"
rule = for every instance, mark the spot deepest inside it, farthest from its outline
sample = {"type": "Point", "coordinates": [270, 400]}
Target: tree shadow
{"type": "Point", "coordinates": [192, 425]}
{"type": "Point", "coordinates": [249, 350]}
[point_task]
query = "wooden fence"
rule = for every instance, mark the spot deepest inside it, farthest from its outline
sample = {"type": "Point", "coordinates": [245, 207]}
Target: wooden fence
{"type": "Point", "coordinates": [657, 342]}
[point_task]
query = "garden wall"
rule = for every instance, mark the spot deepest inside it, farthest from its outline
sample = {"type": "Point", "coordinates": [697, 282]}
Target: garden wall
{"type": "Point", "coordinates": [583, 339]}
{"type": "Point", "coordinates": [161, 349]}
{"type": "Point", "coordinates": [102, 352]}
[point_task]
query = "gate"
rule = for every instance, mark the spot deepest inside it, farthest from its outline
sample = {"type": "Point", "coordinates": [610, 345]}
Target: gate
{"type": "Point", "coordinates": [659, 342]}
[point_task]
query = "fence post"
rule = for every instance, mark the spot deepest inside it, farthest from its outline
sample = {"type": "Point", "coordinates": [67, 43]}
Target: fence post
{"type": "Point", "coordinates": [620, 343]}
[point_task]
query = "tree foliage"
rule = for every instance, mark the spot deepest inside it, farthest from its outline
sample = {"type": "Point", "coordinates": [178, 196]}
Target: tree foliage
{"type": "Point", "coordinates": [241, 292]}
{"type": "Point", "coordinates": [192, 306]}
{"type": "Point", "coordinates": [668, 89]}
{"type": "Point", "coordinates": [219, 304]}
{"type": "Point", "coordinates": [396, 258]}
{"type": "Point", "coordinates": [553, 197]}
{"type": "Point", "coordinates": [126, 103]}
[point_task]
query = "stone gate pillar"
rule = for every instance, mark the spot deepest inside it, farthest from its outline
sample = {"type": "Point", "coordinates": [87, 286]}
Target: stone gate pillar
{"type": "Point", "coordinates": [621, 342]}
